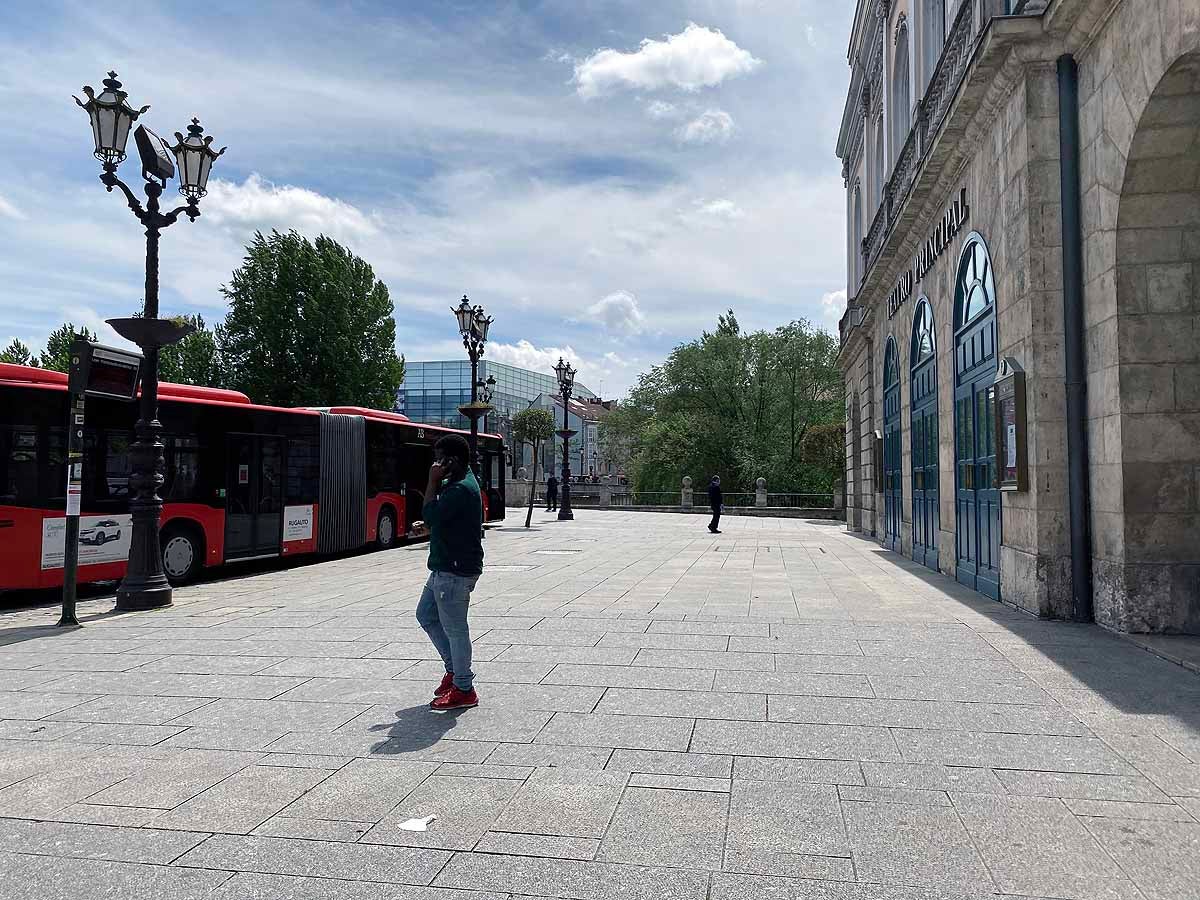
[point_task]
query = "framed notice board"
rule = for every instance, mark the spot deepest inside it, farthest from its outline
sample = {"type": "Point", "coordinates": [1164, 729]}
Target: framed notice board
{"type": "Point", "coordinates": [1012, 462]}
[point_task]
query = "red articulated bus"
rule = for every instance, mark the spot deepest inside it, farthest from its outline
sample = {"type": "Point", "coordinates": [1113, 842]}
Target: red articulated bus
{"type": "Point", "coordinates": [242, 481]}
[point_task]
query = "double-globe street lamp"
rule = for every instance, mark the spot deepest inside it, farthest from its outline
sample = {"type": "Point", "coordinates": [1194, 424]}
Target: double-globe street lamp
{"type": "Point", "coordinates": [145, 586]}
{"type": "Point", "coordinates": [566, 383]}
{"type": "Point", "coordinates": [473, 325]}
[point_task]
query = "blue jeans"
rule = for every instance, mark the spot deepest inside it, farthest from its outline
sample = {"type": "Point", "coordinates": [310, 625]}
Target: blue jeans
{"type": "Point", "coordinates": [442, 612]}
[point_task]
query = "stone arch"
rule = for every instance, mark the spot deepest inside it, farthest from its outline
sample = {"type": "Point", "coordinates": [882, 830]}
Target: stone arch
{"type": "Point", "coordinates": [1147, 563]}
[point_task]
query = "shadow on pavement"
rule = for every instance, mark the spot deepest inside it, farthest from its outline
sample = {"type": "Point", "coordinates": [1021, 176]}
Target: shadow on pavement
{"type": "Point", "coordinates": [415, 728]}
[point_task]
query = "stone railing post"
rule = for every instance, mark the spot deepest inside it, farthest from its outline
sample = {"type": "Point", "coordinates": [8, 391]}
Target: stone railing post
{"type": "Point", "coordinates": [606, 490]}
{"type": "Point", "coordinates": [685, 497]}
{"type": "Point", "coordinates": [760, 492]}
{"type": "Point", "coordinates": [839, 498]}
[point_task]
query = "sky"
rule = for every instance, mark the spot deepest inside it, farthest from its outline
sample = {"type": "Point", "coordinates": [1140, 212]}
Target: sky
{"type": "Point", "coordinates": [604, 176]}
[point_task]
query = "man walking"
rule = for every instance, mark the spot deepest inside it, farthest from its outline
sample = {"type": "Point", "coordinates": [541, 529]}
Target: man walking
{"type": "Point", "coordinates": [715, 502]}
{"type": "Point", "coordinates": [454, 513]}
{"type": "Point", "coordinates": [551, 493]}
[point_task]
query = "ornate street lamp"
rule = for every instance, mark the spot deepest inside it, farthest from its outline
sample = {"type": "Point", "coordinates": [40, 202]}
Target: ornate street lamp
{"type": "Point", "coordinates": [487, 393]}
{"type": "Point", "coordinates": [473, 325]}
{"type": "Point", "coordinates": [566, 383]}
{"type": "Point", "coordinates": [145, 586]}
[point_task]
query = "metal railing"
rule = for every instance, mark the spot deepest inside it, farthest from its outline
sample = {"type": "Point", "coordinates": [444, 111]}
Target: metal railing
{"type": "Point", "coordinates": [931, 112]}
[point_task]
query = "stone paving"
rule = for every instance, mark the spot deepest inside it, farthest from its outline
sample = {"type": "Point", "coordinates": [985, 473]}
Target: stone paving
{"type": "Point", "coordinates": [783, 711]}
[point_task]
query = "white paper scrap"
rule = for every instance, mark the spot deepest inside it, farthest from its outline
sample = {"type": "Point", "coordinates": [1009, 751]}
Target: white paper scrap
{"type": "Point", "coordinates": [417, 824]}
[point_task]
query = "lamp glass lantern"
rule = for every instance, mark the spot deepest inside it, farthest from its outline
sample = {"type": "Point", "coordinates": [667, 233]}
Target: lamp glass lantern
{"type": "Point", "coordinates": [482, 323]}
{"type": "Point", "coordinates": [560, 370]}
{"type": "Point", "coordinates": [194, 157]}
{"type": "Point", "coordinates": [465, 314]}
{"type": "Point", "coordinates": [489, 390]}
{"type": "Point", "coordinates": [111, 117]}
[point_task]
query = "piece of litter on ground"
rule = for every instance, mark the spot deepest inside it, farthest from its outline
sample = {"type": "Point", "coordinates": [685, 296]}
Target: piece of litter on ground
{"type": "Point", "coordinates": [417, 824]}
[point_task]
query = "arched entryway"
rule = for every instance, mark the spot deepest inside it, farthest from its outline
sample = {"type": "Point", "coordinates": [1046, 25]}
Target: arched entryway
{"type": "Point", "coordinates": [977, 499]}
{"type": "Point", "coordinates": [1148, 569]}
{"type": "Point", "coordinates": [892, 466]}
{"type": "Point", "coordinates": [923, 427]}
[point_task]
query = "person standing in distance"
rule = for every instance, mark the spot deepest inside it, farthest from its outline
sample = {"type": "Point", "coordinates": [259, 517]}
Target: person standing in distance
{"type": "Point", "coordinates": [454, 513]}
{"type": "Point", "coordinates": [715, 501]}
{"type": "Point", "coordinates": [551, 493]}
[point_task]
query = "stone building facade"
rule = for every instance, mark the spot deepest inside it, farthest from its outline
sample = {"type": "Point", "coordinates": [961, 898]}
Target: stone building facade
{"type": "Point", "coordinates": [957, 165]}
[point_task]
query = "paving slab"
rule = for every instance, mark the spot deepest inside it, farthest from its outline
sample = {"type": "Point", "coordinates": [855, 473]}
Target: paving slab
{"type": "Point", "coordinates": [629, 732]}
{"type": "Point", "coordinates": [134, 845]}
{"type": "Point", "coordinates": [565, 802]}
{"type": "Point", "coordinates": [68, 879]}
{"type": "Point", "coordinates": [778, 817]}
{"type": "Point", "coordinates": [466, 809]}
{"type": "Point", "coordinates": [1035, 846]}
{"type": "Point", "coordinates": [656, 827]}
{"type": "Point", "coordinates": [571, 879]}
{"type": "Point", "coordinates": [242, 801]}
{"type": "Point", "coordinates": [326, 859]}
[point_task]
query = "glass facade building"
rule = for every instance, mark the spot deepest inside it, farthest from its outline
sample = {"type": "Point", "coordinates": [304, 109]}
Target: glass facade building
{"type": "Point", "coordinates": [433, 391]}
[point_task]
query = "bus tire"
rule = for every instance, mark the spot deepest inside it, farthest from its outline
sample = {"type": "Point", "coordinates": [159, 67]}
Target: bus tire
{"type": "Point", "coordinates": [182, 552]}
{"type": "Point", "coordinates": [385, 531]}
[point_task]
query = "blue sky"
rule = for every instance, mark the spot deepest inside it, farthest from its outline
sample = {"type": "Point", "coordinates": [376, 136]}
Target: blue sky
{"type": "Point", "coordinates": [605, 176]}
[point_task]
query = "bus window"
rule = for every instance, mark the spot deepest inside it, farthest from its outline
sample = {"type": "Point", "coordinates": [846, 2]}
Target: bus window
{"type": "Point", "coordinates": [183, 468]}
{"type": "Point", "coordinates": [18, 466]}
{"type": "Point", "coordinates": [116, 464]}
{"type": "Point", "coordinates": [303, 471]}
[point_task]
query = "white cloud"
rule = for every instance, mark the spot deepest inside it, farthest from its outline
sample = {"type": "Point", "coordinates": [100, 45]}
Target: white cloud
{"type": "Point", "coordinates": [525, 355]}
{"type": "Point", "coordinates": [258, 204]}
{"type": "Point", "coordinates": [9, 210]}
{"type": "Point", "coordinates": [660, 109]}
{"type": "Point", "coordinates": [695, 58]}
{"type": "Point", "coordinates": [714, 213]}
{"type": "Point", "coordinates": [711, 126]}
{"type": "Point", "coordinates": [619, 312]}
{"type": "Point", "coordinates": [833, 305]}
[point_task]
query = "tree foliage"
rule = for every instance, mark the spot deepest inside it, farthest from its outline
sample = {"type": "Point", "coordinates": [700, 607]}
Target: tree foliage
{"type": "Point", "coordinates": [18, 353]}
{"type": "Point", "coordinates": [739, 405]}
{"type": "Point", "coordinates": [532, 426]}
{"type": "Point", "coordinates": [309, 324]}
{"type": "Point", "coordinates": [194, 359]}
{"type": "Point", "coordinates": [57, 355]}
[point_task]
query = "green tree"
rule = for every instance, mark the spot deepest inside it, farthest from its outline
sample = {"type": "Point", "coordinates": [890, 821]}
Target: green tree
{"type": "Point", "coordinates": [18, 354]}
{"type": "Point", "coordinates": [735, 404]}
{"type": "Point", "coordinates": [309, 324]}
{"type": "Point", "coordinates": [532, 426]}
{"type": "Point", "coordinates": [57, 355]}
{"type": "Point", "coordinates": [194, 359]}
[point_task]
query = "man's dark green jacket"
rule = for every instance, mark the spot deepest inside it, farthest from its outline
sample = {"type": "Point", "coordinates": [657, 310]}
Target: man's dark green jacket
{"type": "Point", "coordinates": [455, 520]}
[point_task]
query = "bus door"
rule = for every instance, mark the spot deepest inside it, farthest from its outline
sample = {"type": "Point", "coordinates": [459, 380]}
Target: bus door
{"type": "Point", "coordinates": [254, 496]}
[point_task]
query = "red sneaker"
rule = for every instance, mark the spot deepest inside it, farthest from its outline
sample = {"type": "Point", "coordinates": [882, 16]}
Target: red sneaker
{"type": "Point", "coordinates": [444, 687]}
{"type": "Point", "coordinates": [455, 699]}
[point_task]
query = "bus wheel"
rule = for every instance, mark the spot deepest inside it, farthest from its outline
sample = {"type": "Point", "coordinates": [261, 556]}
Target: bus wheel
{"type": "Point", "coordinates": [385, 534]}
{"type": "Point", "coordinates": [182, 553]}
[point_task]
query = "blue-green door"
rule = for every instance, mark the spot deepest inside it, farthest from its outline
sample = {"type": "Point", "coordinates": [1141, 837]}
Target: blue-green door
{"type": "Point", "coordinates": [892, 460]}
{"type": "Point", "coordinates": [926, 518]}
{"type": "Point", "coordinates": [977, 498]}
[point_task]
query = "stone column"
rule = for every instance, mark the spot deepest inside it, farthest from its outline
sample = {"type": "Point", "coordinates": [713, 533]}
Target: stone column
{"type": "Point", "coordinates": [606, 490]}
{"type": "Point", "coordinates": [760, 492]}
{"type": "Point", "coordinates": [685, 499]}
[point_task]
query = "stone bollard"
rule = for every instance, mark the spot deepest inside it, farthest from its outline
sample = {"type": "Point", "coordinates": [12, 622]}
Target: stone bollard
{"type": "Point", "coordinates": [606, 490]}
{"type": "Point", "coordinates": [685, 497]}
{"type": "Point", "coordinates": [760, 492]}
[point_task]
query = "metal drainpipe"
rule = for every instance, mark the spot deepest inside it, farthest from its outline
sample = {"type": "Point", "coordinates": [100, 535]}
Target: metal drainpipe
{"type": "Point", "coordinates": [1078, 488]}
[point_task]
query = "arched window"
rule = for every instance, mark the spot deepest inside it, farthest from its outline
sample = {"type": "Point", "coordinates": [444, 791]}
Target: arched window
{"type": "Point", "coordinates": [975, 288]}
{"type": "Point", "coordinates": [879, 177]}
{"type": "Point", "coordinates": [922, 335]}
{"type": "Point", "coordinates": [901, 92]}
{"type": "Point", "coordinates": [935, 35]}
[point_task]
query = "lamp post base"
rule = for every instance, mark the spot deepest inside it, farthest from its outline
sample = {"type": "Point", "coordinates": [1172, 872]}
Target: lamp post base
{"type": "Point", "coordinates": [141, 596]}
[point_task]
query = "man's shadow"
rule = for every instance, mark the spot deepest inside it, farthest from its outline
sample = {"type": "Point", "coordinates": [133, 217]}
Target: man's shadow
{"type": "Point", "coordinates": [416, 728]}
